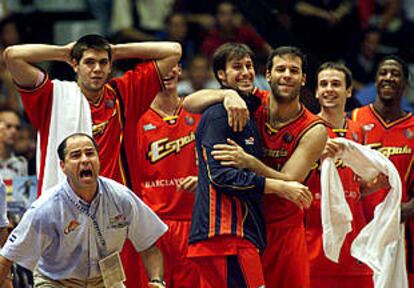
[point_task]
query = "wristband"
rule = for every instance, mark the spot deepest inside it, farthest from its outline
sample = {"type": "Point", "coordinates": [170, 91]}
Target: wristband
{"type": "Point", "coordinates": [158, 281]}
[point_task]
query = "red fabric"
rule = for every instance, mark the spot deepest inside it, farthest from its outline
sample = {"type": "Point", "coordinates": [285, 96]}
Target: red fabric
{"type": "Point", "coordinates": [319, 264]}
{"type": "Point", "coordinates": [179, 271]}
{"type": "Point", "coordinates": [214, 270]}
{"type": "Point", "coordinates": [166, 151]}
{"type": "Point", "coordinates": [347, 281]}
{"type": "Point", "coordinates": [284, 260]}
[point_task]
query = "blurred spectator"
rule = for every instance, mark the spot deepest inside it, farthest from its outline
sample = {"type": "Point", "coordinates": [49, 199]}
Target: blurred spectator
{"type": "Point", "coordinates": [177, 30]}
{"type": "Point", "coordinates": [198, 77]}
{"type": "Point", "coordinates": [230, 28]}
{"type": "Point", "coordinates": [25, 146]}
{"type": "Point", "coordinates": [325, 26]}
{"type": "Point", "coordinates": [10, 164]}
{"type": "Point", "coordinates": [363, 59]}
{"type": "Point", "coordinates": [139, 20]}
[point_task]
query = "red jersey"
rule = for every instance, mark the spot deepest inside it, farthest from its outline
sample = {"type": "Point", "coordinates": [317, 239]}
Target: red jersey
{"type": "Point", "coordinates": [279, 145]}
{"type": "Point", "coordinates": [396, 141]}
{"type": "Point", "coordinates": [319, 264]}
{"type": "Point", "coordinates": [166, 151]}
{"type": "Point", "coordinates": [115, 116]}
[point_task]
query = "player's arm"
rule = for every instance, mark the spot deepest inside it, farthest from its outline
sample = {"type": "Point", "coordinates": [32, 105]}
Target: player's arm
{"type": "Point", "coordinates": [20, 60]}
{"type": "Point", "coordinates": [167, 54]}
{"type": "Point", "coordinates": [236, 107]}
{"type": "Point", "coordinates": [238, 181]}
{"type": "Point", "coordinates": [154, 265]}
{"type": "Point", "coordinates": [296, 168]}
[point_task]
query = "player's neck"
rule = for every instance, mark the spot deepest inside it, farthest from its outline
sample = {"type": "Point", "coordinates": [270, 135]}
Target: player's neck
{"type": "Point", "coordinates": [389, 113]}
{"type": "Point", "coordinates": [165, 104]}
{"type": "Point", "coordinates": [335, 119]}
{"type": "Point", "coordinates": [5, 151]}
{"type": "Point", "coordinates": [281, 113]}
{"type": "Point", "coordinates": [94, 97]}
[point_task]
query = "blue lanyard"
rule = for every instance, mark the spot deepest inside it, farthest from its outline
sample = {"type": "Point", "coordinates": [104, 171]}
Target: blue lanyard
{"type": "Point", "coordinates": [85, 211]}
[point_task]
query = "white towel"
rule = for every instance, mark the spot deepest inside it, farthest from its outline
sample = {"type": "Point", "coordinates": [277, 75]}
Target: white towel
{"type": "Point", "coordinates": [70, 114]}
{"type": "Point", "coordinates": [379, 243]}
{"type": "Point", "coordinates": [335, 213]}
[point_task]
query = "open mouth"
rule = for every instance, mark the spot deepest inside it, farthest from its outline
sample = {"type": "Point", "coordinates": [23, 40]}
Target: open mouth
{"type": "Point", "coordinates": [86, 173]}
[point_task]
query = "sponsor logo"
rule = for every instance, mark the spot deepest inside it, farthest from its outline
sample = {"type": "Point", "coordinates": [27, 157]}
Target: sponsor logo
{"type": "Point", "coordinates": [99, 128]}
{"type": "Point", "coordinates": [249, 141]}
{"type": "Point", "coordinates": [164, 182]}
{"type": "Point", "coordinates": [73, 224]}
{"type": "Point", "coordinates": [149, 127]}
{"type": "Point", "coordinates": [391, 150]}
{"type": "Point", "coordinates": [280, 153]}
{"type": "Point", "coordinates": [162, 148]}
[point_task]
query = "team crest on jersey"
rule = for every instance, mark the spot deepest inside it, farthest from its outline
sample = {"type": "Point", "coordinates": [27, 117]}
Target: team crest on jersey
{"type": "Point", "coordinates": [249, 141]}
{"type": "Point", "coordinates": [109, 103]}
{"type": "Point", "coordinates": [189, 120]}
{"type": "Point", "coordinates": [368, 127]}
{"type": "Point", "coordinates": [408, 133]}
{"type": "Point", "coordinates": [73, 224]}
{"type": "Point", "coordinates": [149, 127]}
{"type": "Point", "coordinates": [288, 138]}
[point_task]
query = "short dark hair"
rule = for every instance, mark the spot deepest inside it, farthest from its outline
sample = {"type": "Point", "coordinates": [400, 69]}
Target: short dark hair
{"type": "Point", "coordinates": [12, 110]}
{"type": "Point", "coordinates": [398, 59]}
{"type": "Point", "coordinates": [91, 41]}
{"type": "Point", "coordinates": [286, 50]}
{"type": "Point", "coordinates": [339, 67]}
{"type": "Point", "coordinates": [61, 150]}
{"type": "Point", "coordinates": [227, 52]}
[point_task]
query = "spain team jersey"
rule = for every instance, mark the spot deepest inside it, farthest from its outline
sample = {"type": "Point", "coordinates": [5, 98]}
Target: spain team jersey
{"type": "Point", "coordinates": [167, 155]}
{"type": "Point", "coordinates": [396, 141]}
{"type": "Point", "coordinates": [279, 145]}
{"type": "Point", "coordinates": [114, 118]}
{"type": "Point", "coordinates": [319, 264]}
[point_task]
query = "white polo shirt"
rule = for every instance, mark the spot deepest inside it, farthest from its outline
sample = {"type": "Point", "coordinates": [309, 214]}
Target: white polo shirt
{"type": "Point", "coordinates": [67, 237]}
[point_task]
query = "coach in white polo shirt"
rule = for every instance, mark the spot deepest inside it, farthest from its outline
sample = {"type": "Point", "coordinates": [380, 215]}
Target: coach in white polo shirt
{"type": "Point", "coordinates": [65, 234]}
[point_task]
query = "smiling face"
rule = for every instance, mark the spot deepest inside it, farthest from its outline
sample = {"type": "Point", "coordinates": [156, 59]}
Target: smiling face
{"type": "Point", "coordinates": [81, 163]}
{"type": "Point", "coordinates": [390, 81]}
{"type": "Point", "coordinates": [238, 74]}
{"type": "Point", "coordinates": [331, 89]}
{"type": "Point", "coordinates": [93, 71]}
{"type": "Point", "coordinates": [286, 77]}
{"type": "Point", "coordinates": [171, 79]}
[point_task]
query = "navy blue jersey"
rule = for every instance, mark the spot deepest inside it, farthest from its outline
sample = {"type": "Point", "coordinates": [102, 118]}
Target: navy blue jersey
{"type": "Point", "coordinates": [228, 200]}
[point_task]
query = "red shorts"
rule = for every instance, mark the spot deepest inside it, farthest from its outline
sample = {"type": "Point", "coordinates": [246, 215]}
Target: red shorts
{"type": "Point", "coordinates": [136, 277]}
{"type": "Point", "coordinates": [179, 271]}
{"type": "Point", "coordinates": [411, 280]}
{"type": "Point", "coordinates": [345, 281]}
{"type": "Point", "coordinates": [242, 269]}
{"type": "Point", "coordinates": [285, 259]}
